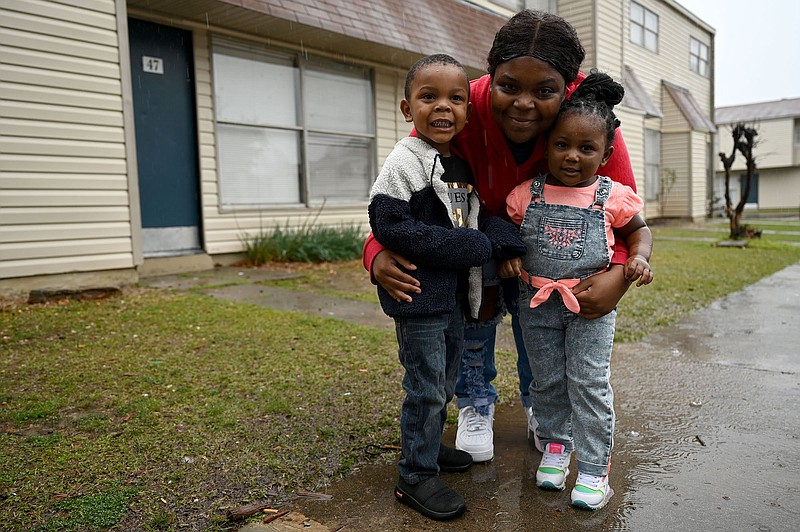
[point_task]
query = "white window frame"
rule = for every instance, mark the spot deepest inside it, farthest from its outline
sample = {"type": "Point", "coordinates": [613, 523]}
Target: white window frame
{"type": "Point", "coordinates": [644, 27]}
{"type": "Point", "coordinates": [291, 142]}
{"type": "Point", "coordinates": [699, 57]}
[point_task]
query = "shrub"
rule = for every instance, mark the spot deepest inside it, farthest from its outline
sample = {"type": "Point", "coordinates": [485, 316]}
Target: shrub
{"type": "Point", "coordinates": [307, 243]}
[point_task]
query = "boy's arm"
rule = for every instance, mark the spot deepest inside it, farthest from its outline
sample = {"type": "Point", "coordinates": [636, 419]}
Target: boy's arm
{"type": "Point", "coordinates": [424, 244]}
{"type": "Point", "coordinates": [505, 239]}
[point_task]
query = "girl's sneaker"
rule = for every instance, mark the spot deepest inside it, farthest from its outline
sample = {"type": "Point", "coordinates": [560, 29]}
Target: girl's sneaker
{"type": "Point", "coordinates": [554, 467]}
{"type": "Point", "coordinates": [591, 492]}
{"type": "Point", "coordinates": [532, 426]}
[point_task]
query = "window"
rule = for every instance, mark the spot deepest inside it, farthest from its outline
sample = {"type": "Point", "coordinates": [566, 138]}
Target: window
{"type": "Point", "coordinates": [644, 27]}
{"type": "Point", "coordinates": [698, 57]}
{"type": "Point", "coordinates": [291, 130]}
{"type": "Point", "coordinates": [652, 164]}
{"type": "Point", "coordinates": [499, 6]}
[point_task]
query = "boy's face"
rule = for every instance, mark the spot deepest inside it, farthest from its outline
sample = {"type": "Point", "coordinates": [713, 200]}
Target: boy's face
{"type": "Point", "coordinates": [576, 148]}
{"type": "Point", "coordinates": [438, 104]}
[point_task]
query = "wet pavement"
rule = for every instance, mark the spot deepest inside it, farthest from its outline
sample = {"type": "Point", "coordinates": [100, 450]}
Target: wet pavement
{"type": "Point", "coordinates": [707, 437]}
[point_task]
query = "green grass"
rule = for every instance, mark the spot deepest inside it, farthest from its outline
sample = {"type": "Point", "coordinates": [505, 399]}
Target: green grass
{"type": "Point", "coordinates": [161, 410]}
{"type": "Point", "coordinates": [193, 404]}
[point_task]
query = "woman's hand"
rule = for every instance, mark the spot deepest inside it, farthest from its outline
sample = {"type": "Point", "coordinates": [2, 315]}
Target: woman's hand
{"type": "Point", "coordinates": [394, 280]}
{"type": "Point", "coordinates": [600, 293]}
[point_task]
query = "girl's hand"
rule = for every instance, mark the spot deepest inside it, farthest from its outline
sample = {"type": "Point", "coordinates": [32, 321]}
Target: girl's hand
{"type": "Point", "coordinates": [637, 267]}
{"type": "Point", "coordinates": [386, 272]}
{"type": "Point", "coordinates": [510, 268]}
{"type": "Point", "coordinates": [600, 293]}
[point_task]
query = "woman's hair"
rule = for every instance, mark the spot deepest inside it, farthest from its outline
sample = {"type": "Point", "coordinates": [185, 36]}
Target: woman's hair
{"type": "Point", "coordinates": [433, 59]}
{"type": "Point", "coordinates": [596, 95]}
{"type": "Point", "coordinates": [542, 35]}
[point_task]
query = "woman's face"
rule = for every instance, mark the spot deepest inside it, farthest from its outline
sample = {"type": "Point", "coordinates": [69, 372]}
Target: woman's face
{"type": "Point", "coordinates": [526, 95]}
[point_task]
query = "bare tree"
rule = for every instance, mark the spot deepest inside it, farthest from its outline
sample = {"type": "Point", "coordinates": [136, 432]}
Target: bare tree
{"type": "Point", "coordinates": [744, 141]}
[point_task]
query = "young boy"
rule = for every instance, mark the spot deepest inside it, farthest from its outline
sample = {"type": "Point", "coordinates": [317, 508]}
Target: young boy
{"type": "Point", "coordinates": [423, 206]}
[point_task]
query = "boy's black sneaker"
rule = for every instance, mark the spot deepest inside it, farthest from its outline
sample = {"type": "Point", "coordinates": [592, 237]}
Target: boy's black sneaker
{"type": "Point", "coordinates": [452, 460]}
{"type": "Point", "coordinates": [431, 497]}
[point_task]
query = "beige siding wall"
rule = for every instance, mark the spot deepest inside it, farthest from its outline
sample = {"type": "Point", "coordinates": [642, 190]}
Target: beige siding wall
{"type": "Point", "coordinates": [610, 23]}
{"type": "Point", "coordinates": [775, 144]}
{"type": "Point", "coordinates": [64, 201]}
{"type": "Point", "coordinates": [779, 189]}
{"type": "Point", "coordinates": [698, 157]}
{"type": "Point", "coordinates": [580, 13]}
{"type": "Point", "coordinates": [675, 149]}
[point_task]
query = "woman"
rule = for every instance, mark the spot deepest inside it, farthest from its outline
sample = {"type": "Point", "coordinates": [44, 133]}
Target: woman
{"type": "Point", "coordinates": [534, 64]}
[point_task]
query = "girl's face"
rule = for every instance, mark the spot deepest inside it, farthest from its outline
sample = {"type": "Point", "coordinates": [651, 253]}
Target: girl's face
{"type": "Point", "coordinates": [438, 104]}
{"type": "Point", "coordinates": [576, 148]}
{"type": "Point", "coordinates": [526, 94]}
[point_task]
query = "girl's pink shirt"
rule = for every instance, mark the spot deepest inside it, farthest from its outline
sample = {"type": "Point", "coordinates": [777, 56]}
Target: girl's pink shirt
{"type": "Point", "coordinates": [622, 204]}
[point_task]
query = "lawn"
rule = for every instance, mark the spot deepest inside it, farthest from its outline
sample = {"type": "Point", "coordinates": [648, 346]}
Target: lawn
{"type": "Point", "coordinates": [162, 411]}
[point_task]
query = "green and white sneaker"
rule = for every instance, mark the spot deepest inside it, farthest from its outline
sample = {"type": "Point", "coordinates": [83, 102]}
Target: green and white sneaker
{"type": "Point", "coordinates": [591, 492]}
{"type": "Point", "coordinates": [554, 467]}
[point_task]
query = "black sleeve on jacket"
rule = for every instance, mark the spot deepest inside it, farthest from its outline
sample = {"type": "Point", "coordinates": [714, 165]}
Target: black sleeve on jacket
{"type": "Point", "coordinates": [428, 245]}
{"type": "Point", "coordinates": [505, 239]}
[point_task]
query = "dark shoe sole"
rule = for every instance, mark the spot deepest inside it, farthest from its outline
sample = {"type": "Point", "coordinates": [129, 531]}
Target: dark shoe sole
{"type": "Point", "coordinates": [454, 469]}
{"type": "Point", "coordinates": [409, 500]}
{"type": "Point", "coordinates": [449, 458]}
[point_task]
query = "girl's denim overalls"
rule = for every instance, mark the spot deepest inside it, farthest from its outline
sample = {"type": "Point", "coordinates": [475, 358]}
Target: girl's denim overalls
{"type": "Point", "coordinates": [569, 355]}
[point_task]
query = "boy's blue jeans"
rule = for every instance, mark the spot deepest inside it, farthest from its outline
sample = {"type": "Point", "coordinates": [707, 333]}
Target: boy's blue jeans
{"type": "Point", "coordinates": [478, 369]}
{"type": "Point", "coordinates": [429, 350]}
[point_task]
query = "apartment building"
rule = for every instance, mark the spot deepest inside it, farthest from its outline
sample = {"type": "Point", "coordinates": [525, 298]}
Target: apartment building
{"type": "Point", "coordinates": [148, 135]}
{"type": "Point", "coordinates": [776, 186]}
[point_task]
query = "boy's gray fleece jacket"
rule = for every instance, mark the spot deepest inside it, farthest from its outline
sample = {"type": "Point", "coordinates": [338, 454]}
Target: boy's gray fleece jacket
{"type": "Point", "coordinates": [410, 214]}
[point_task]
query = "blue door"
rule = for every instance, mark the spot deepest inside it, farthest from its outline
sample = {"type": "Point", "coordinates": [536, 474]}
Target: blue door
{"type": "Point", "coordinates": [162, 74]}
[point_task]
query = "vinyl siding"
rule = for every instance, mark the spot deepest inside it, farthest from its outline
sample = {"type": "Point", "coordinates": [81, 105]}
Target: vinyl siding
{"type": "Point", "coordinates": [697, 200]}
{"type": "Point", "coordinates": [675, 148]}
{"type": "Point", "coordinates": [64, 205]}
{"type": "Point", "coordinates": [774, 147]}
{"type": "Point", "coordinates": [580, 13]}
{"type": "Point", "coordinates": [610, 24]}
{"type": "Point", "coordinates": [779, 189]}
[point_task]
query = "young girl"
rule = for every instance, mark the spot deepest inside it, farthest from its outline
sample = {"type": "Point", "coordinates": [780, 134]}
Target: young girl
{"type": "Point", "coordinates": [566, 218]}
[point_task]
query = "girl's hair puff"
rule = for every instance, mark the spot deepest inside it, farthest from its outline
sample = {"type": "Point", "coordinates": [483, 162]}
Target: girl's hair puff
{"type": "Point", "coordinates": [541, 35]}
{"type": "Point", "coordinates": [596, 95]}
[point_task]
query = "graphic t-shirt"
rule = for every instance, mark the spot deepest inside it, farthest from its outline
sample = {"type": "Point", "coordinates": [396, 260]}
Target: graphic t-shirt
{"type": "Point", "coordinates": [460, 182]}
